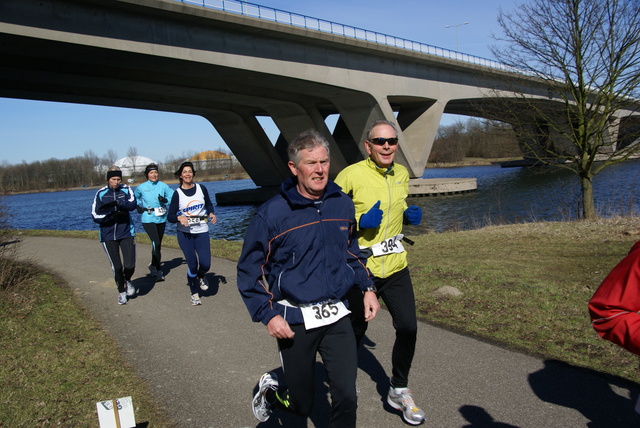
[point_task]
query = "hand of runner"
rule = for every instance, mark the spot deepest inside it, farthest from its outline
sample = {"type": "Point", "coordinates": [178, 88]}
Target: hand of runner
{"type": "Point", "coordinates": [279, 328]}
{"type": "Point", "coordinates": [372, 218]}
{"type": "Point", "coordinates": [371, 305]}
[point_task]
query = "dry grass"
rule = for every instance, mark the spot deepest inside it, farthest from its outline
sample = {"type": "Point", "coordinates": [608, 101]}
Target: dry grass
{"type": "Point", "coordinates": [526, 286]}
{"type": "Point", "coordinates": [57, 362]}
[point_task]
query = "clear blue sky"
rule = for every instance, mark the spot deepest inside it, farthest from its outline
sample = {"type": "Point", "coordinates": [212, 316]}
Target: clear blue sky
{"type": "Point", "coordinates": [35, 130]}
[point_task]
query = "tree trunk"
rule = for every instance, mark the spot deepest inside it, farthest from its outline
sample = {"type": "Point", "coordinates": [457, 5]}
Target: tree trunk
{"type": "Point", "coordinates": [588, 206]}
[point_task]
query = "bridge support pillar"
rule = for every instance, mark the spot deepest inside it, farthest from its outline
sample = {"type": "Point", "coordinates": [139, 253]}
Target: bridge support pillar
{"type": "Point", "coordinates": [357, 111]}
{"type": "Point", "coordinates": [417, 120]}
{"type": "Point", "coordinates": [292, 119]}
{"type": "Point", "coordinates": [419, 123]}
{"type": "Point", "coordinates": [244, 135]}
{"type": "Point", "coordinates": [540, 140]}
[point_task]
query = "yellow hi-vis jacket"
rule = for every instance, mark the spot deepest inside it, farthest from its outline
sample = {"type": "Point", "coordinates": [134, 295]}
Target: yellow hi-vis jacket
{"type": "Point", "coordinates": [367, 184]}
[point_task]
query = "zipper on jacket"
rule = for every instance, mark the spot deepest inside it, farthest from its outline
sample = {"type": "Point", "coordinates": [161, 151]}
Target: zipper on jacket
{"type": "Point", "coordinates": [317, 206]}
{"type": "Point", "coordinates": [388, 220]}
{"type": "Point", "coordinates": [115, 226]}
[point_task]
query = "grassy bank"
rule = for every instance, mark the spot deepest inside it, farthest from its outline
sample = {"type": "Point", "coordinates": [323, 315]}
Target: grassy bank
{"type": "Point", "coordinates": [524, 287]}
{"type": "Point", "coordinates": [57, 361]}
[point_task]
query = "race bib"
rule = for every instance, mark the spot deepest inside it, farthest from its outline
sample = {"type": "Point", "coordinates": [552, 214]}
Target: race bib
{"type": "Point", "coordinates": [193, 220]}
{"type": "Point", "coordinates": [159, 212]}
{"type": "Point", "coordinates": [324, 313]}
{"type": "Point", "coordinates": [388, 246]}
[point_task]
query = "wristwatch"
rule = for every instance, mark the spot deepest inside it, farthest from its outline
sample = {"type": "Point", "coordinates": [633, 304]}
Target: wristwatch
{"type": "Point", "coordinates": [372, 288]}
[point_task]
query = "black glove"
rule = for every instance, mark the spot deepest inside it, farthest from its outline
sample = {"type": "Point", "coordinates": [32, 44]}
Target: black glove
{"type": "Point", "coordinates": [109, 205]}
{"type": "Point", "coordinates": [121, 214]}
{"type": "Point", "coordinates": [139, 209]}
{"type": "Point", "coordinates": [162, 199]}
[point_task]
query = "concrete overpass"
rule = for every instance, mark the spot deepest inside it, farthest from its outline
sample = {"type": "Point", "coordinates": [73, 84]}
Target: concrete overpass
{"type": "Point", "coordinates": [230, 68]}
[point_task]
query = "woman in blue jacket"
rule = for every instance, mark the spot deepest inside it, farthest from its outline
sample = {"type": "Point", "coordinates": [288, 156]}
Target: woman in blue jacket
{"type": "Point", "coordinates": [153, 197]}
{"type": "Point", "coordinates": [111, 210]}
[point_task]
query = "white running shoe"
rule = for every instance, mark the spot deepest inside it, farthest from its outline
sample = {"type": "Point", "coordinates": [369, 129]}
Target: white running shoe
{"type": "Point", "coordinates": [195, 300]}
{"type": "Point", "coordinates": [131, 290]}
{"type": "Point", "coordinates": [203, 284]}
{"type": "Point", "coordinates": [122, 298]}
{"type": "Point", "coordinates": [262, 410]}
{"type": "Point", "coordinates": [402, 400]}
{"type": "Point", "coordinates": [159, 276]}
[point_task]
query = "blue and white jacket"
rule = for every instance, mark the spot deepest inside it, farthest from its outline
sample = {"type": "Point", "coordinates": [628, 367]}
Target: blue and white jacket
{"type": "Point", "coordinates": [307, 250]}
{"type": "Point", "coordinates": [147, 196]}
{"type": "Point", "coordinates": [114, 219]}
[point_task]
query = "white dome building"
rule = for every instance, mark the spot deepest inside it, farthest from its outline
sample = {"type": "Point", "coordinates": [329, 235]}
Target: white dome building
{"type": "Point", "coordinates": [133, 165]}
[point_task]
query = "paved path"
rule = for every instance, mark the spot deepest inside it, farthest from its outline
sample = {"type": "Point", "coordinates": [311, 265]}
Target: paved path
{"type": "Point", "coordinates": [203, 362]}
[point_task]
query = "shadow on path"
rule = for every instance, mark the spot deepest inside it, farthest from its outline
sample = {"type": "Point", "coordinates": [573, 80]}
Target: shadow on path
{"type": "Point", "coordinates": [588, 392]}
{"type": "Point", "coordinates": [480, 418]}
{"type": "Point", "coordinates": [368, 363]}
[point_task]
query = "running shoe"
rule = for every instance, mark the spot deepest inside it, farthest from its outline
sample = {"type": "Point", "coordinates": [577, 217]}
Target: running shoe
{"type": "Point", "coordinates": [131, 290]}
{"type": "Point", "coordinates": [262, 410]}
{"type": "Point", "coordinates": [159, 276]}
{"type": "Point", "coordinates": [203, 284]}
{"type": "Point", "coordinates": [152, 269]}
{"type": "Point", "coordinates": [122, 298]}
{"type": "Point", "coordinates": [195, 300]}
{"type": "Point", "coordinates": [402, 400]}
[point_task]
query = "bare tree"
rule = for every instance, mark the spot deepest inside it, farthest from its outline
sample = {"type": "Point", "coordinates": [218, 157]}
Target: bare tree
{"type": "Point", "coordinates": [132, 153]}
{"type": "Point", "coordinates": [109, 158]}
{"type": "Point", "coordinates": [586, 52]}
{"type": "Point", "coordinates": [92, 157]}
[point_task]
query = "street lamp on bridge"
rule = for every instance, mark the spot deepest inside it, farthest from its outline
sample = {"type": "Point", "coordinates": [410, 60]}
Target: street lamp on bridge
{"type": "Point", "coordinates": [456, 27]}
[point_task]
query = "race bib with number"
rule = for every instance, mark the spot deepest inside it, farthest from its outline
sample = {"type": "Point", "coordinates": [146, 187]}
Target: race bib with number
{"type": "Point", "coordinates": [324, 313]}
{"type": "Point", "coordinates": [193, 220]}
{"type": "Point", "coordinates": [388, 246]}
{"type": "Point", "coordinates": [159, 212]}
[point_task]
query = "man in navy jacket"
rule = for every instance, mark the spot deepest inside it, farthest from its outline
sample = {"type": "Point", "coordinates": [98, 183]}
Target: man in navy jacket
{"type": "Point", "coordinates": [299, 259]}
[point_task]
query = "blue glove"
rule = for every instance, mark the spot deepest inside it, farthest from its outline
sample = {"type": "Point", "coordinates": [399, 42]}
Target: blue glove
{"type": "Point", "coordinates": [372, 218]}
{"type": "Point", "coordinates": [413, 215]}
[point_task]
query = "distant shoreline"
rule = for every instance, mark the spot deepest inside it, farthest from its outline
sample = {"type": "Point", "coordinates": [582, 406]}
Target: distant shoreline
{"type": "Point", "coordinates": [203, 179]}
{"type": "Point", "coordinates": [471, 162]}
{"type": "Point", "coordinates": [244, 175]}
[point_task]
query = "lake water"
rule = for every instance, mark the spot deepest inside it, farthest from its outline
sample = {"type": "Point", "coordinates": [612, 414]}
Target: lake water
{"type": "Point", "coordinates": [504, 195]}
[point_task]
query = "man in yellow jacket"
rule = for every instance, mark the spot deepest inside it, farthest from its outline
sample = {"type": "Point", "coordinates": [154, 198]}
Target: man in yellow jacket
{"type": "Point", "coordinates": [379, 189]}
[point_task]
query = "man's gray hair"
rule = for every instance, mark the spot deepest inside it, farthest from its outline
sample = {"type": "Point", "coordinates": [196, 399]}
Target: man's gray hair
{"type": "Point", "coordinates": [380, 122]}
{"type": "Point", "coordinates": [307, 140]}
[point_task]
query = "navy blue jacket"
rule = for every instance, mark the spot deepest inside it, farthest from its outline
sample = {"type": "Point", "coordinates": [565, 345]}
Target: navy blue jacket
{"type": "Point", "coordinates": [114, 218]}
{"type": "Point", "coordinates": [306, 249]}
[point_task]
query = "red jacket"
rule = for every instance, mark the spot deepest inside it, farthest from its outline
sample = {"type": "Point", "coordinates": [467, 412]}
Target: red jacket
{"type": "Point", "coordinates": [614, 306]}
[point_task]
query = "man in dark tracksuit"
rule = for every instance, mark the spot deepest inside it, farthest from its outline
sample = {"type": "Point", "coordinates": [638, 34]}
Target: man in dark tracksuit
{"type": "Point", "coordinates": [299, 259]}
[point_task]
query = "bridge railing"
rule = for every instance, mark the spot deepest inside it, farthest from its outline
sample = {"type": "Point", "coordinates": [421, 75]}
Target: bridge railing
{"type": "Point", "coordinates": [284, 17]}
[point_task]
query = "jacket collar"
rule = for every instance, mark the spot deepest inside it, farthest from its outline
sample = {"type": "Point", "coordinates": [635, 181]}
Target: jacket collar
{"type": "Point", "coordinates": [382, 171]}
{"type": "Point", "coordinates": [289, 191]}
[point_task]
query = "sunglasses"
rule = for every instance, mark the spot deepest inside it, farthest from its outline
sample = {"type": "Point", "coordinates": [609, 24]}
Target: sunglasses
{"type": "Point", "coordinates": [379, 141]}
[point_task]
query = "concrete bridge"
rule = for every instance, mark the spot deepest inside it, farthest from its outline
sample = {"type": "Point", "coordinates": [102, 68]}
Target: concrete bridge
{"type": "Point", "coordinates": [232, 68]}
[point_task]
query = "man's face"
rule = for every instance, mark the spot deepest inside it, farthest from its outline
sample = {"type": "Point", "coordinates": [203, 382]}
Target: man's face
{"type": "Point", "coordinates": [312, 171]}
{"type": "Point", "coordinates": [114, 182]}
{"type": "Point", "coordinates": [382, 155]}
